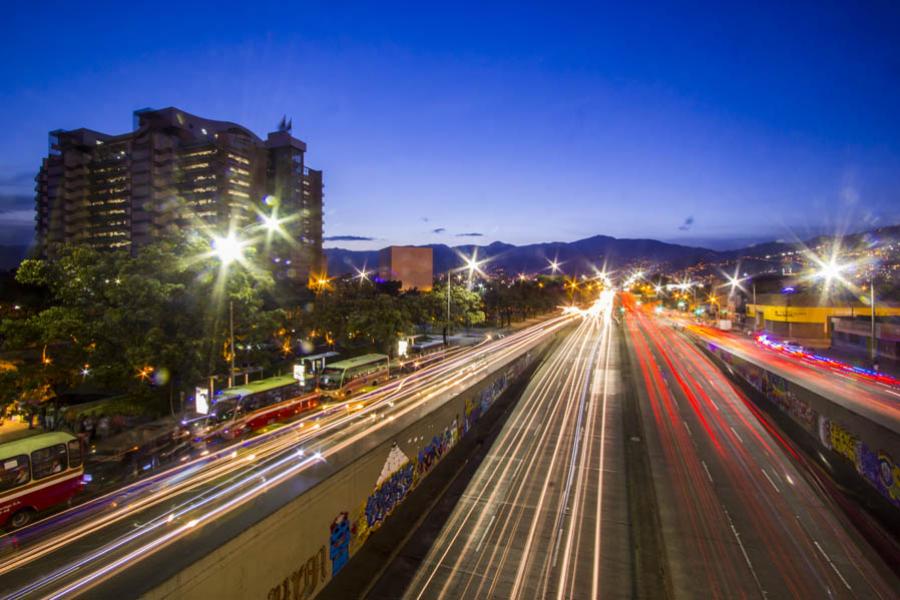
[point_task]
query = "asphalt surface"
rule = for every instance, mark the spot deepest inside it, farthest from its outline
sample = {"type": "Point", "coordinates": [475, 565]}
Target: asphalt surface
{"type": "Point", "coordinates": [546, 514]}
{"type": "Point", "coordinates": [126, 542]}
{"type": "Point", "coordinates": [739, 518]}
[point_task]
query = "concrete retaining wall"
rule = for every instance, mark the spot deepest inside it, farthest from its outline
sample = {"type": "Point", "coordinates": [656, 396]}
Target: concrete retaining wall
{"type": "Point", "coordinates": [848, 444]}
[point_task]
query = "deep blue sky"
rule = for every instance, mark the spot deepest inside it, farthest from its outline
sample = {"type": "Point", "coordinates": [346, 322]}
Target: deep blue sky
{"type": "Point", "coordinates": [521, 123]}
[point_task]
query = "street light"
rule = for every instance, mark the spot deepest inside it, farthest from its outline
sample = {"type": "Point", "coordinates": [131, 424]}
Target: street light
{"type": "Point", "coordinates": [787, 291]}
{"type": "Point", "coordinates": [830, 271]}
{"type": "Point", "coordinates": [270, 222]}
{"type": "Point", "coordinates": [473, 266]}
{"type": "Point", "coordinates": [362, 275]}
{"type": "Point", "coordinates": [554, 266]}
{"type": "Point", "coordinates": [229, 248]}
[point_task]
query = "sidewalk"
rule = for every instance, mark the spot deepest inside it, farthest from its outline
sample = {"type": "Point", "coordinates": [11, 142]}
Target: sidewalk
{"type": "Point", "coordinates": [885, 365]}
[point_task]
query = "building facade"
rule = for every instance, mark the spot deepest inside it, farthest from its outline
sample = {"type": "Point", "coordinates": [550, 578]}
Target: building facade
{"type": "Point", "coordinates": [173, 172]}
{"type": "Point", "coordinates": [412, 266]}
{"type": "Point", "coordinates": [854, 336]}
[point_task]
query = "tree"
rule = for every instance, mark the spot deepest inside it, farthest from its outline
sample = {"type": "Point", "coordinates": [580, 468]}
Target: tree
{"type": "Point", "coordinates": [149, 325]}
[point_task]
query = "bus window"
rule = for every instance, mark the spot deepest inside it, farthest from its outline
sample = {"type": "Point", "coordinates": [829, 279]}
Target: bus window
{"type": "Point", "coordinates": [75, 453]}
{"type": "Point", "coordinates": [223, 410]}
{"type": "Point", "coordinates": [331, 379]}
{"type": "Point", "coordinates": [48, 461]}
{"type": "Point", "coordinates": [13, 472]}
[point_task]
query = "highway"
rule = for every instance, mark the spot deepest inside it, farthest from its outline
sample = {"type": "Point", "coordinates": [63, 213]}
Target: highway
{"type": "Point", "coordinates": [859, 392]}
{"type": "Point", "coordinates": [545, 514]}
{"type": "Point", "coordinates": [218, 495]}
{"type": "Point", "coordinates": [739, 518]}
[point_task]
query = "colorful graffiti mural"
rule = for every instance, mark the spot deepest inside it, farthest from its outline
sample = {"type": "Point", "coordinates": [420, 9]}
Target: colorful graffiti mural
{"type": "Point", "coordinates": [399, 475]}
{"type": "Point", "coordinates": [432, 453]}
{"type": "Point", "coordinates": [339, 543]}
{"type": "Point", "coordinates": [877, 468]}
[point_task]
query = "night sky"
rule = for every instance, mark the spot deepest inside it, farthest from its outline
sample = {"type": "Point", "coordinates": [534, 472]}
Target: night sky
{"type": "Point", "coordinates": [460, 124]}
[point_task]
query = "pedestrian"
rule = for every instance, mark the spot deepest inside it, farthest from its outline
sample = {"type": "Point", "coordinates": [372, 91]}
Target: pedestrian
{"type": "Point", "coordinates": [103, 427]}
{"type": "Point", "coordinates": [89, 427]}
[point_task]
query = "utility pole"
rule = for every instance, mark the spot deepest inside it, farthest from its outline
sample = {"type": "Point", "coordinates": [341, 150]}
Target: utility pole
{"type": "Point", "coordinates": [447, 327]}
{"type": "Point", "coordinates": [231, 331]}
{"type": "Point", "coordinates": [873, 348]}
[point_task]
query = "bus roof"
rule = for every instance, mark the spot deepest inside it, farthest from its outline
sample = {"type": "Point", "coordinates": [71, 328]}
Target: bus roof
{"type": "Point", "coordinates": [428, 343]}
{"type": "Point", "coordinates": [358, 361]}
{"type": "Point", "coordinates": [35, 442]}
{"type": "Point", "coordinates": [263, 385]}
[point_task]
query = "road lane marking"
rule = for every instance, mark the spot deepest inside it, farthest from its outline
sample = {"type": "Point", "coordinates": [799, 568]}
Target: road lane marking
{"type": "Point", "coordinates": [737, 536]}
{"type": "Point", "coordinates": [770, 480]}
{"type": "Point", "coordinates": [484, 535]}
{"type": "Point", "coordinates": [740, 439]}
{"type": "Point", "coordinates": [705, 468]}
{"type": "Point", "coordinates": [688, 428]}
{"type": "Point", "coordinates": [828, 558]}
{"type": "Point", "coordinates": [556, 549]}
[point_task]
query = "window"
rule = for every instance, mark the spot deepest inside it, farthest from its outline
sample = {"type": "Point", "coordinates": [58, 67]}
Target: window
{"type": "Point", "coordinates": [48, 461]}
{"type": "Point", "coordinates": [13, 472]}
{"type": "Point", "coordinates": [75, 453]}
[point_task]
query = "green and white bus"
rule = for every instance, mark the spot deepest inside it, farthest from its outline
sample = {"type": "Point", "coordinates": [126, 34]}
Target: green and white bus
{"type": "Point", "coordinates": [345, 377]}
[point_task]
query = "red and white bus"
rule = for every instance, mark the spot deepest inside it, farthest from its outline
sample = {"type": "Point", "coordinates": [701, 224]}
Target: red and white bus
{"type": "Point", "coordinates": [38, 473]}
{"type": "Point", "coordinates": [251, 407]}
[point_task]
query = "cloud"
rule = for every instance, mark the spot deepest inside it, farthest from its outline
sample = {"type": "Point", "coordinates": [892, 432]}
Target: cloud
{"type": "Point", "coordinates": [16, 203]}
{"type": "Point", "coordinates": [470, 234]}
{"type": "Point", "coordinates": [17, 180]}
{"type": "Point", "coordinates": [688, 223]}
{"type": "Point", "coordinates": [439, 230]}
{"type": "Point", "coordinates": [347, 238]}
{"type": "Point", "coordinates": [424, 219]}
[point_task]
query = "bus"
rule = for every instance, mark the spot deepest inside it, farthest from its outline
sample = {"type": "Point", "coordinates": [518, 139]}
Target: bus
{"type": "Point", "coordinates": [250, 407]}
{"type": "Point", "coordinates": [347, 376]}
{"type": "Point", "coordinates": [38, 473]}
{"type": "Point", "coordinates": [423, 351]}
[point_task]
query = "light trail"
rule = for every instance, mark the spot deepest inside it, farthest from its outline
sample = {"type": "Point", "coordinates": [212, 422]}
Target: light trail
{"type": "Point", "coordinates": [524, 524]}
{"type": "Point", "coordinates": [235, 478]}
{"type": "Point", "coordinates": [719, 484]}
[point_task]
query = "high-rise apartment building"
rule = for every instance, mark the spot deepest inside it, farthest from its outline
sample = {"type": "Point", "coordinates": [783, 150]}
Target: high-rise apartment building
{"type": "Point", "coordinates": [177, 171]}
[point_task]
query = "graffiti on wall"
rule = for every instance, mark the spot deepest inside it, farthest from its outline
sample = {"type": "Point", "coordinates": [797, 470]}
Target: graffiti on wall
{"type": "Point", "coordinates": [434, 450]}
{"type": "Point", "coordinates": [339, 543]}
{"type": "Point", "coordinates": [778, 390]}
{"type": "Point", "coordinates": [400, 475]}
{"type": "Point", "coordinates": [876, 467]}
{"type": "Point", "coordinates": [302, 582]}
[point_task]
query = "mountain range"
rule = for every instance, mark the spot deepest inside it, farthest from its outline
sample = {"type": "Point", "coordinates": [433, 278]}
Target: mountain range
{"type": "Point", "coordinates": [582, 256]}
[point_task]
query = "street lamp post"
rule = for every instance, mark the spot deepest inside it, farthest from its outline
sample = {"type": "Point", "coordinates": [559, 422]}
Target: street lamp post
{"type": "Point", "coordinates": [231, 337]}
{"type": "Point", "coordinates": [787, 307]}
{"type": "Point", "coordinates": [447, 329]}
{"type": "Point", "coordinates": [873, 346]}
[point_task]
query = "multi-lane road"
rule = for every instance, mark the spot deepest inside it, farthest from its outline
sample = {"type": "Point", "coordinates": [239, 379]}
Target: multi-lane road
{"type": "Point", "coordinates": [544, 515]}
{"type": "Point", "coordinates": [547, 515]}
{"type": "Point", "coordinates": [739, 517]}
{"type": "Point", "coordinates": [179, 512]}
